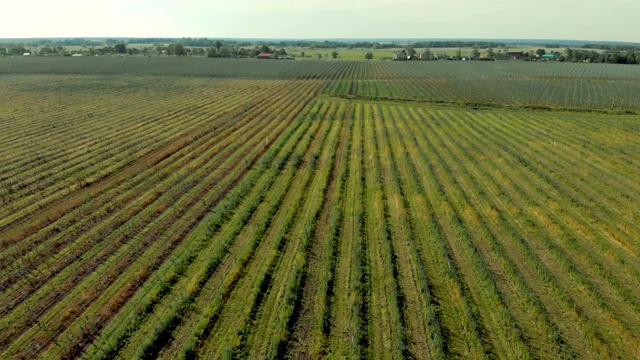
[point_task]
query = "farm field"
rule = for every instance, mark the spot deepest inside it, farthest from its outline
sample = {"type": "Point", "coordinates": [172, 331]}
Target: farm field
{"type": "Point", "coordinates": [470, 83]}
{"type": "Point", "coordinates": [336, 210]}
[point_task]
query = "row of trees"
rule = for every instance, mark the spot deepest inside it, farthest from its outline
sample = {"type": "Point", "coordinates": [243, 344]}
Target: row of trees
{"type": "Point", "coordinates": [218, 49]}
{"type": "Point", "coordinates": [48, 50]}
{"type": "Point", "coordinates": [574, 55]}
{"type": "Point", "coordinates": [313, 44]}
{"type": "Point", "coordinates": [428, 54]}
{"type": "Point", "coordinates": [612, 57]}
{"type": "Point", "coordinates": [222, 49]}
{"type": "Point", "coordinates": [13, 51]}
{"type": "Point", "coordinates": [236, 51]}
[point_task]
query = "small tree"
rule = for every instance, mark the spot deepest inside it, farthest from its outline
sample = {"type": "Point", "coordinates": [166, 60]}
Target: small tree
{"type": "Point", "coordinates": [569, 54]}
{"type": "Point", "coordinates": [179, 50]}
{"type": "Point", "coordinates": [490, 53]}
{"type": "Point", "coordinates": [120, 48]}
{"type": "Point", "coordinates": [171, 49]}
{"type": "Point", "coordinates": [476, 52]}
{"type": "Point", "coordinates": [17, 50]}
{"type": "Point", "coordinates": [218, 44]}
{"type": "Point", "coordinates": [541, 52]}
{"type": "Point", "coordinates": [334, 54]}
{"type": "Point", "coordinates": [368, 56]}
{"type": "Point", "coordinates": [212, 52]}
{"type": "Point", "coordinates": [427, 55]}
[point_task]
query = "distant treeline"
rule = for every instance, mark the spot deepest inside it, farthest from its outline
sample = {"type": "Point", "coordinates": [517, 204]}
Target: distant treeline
{"type": "Point", "coordinates": [616, 54]}
{"type": "Point", "coordinates": [611, 47]}
{"type": "Point", "coordinates": [204, 42]}
{"type": "Point", "coordinates": [53, 42]}
{"type": "Point", "coordinates": [326, 44]}
{"type": "Point", "coordinates": [612, 57]}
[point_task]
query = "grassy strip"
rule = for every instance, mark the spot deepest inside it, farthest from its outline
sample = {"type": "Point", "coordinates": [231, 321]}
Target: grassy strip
{"type": "Point", "coordinates": [487, 105]}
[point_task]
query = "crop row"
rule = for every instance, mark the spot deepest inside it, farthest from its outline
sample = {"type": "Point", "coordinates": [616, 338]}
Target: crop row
{"type": "Point", "coordinates": [179, 188]}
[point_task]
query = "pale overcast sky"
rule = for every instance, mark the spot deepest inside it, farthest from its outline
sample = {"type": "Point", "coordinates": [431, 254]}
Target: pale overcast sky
{"type": "Point", "coordinates": [612, 20]}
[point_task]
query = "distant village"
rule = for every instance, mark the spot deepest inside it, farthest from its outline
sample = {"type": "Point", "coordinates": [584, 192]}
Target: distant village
{"type": "Point", "coordinates": [541, 54]}
{"type": "Point", "coordinates": [291, 50]}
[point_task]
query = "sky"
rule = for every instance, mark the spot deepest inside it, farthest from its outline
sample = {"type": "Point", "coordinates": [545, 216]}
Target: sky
{"type": "Point", "coordinates": [602, 20]}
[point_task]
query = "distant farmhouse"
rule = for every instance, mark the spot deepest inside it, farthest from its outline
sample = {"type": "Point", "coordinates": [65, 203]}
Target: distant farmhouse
{"type": "Point", "coordinates": [265, 56]}
{"type": "Point", "coordinates": [515, 55]}
{"type": "Point", "coordinates": [550, 56]}
{"type": "Point", "coordinates": [400, 55]}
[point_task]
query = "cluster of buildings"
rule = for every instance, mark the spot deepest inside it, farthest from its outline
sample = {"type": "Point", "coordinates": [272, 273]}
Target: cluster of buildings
{"type": "Point", "coordinates": [511, 55]}
{"type": "Point", "coordinates": [273, 56]}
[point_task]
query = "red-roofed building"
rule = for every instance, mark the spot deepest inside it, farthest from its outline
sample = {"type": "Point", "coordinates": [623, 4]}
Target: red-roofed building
{"type": "Point", "coordinates": [265, 56]}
